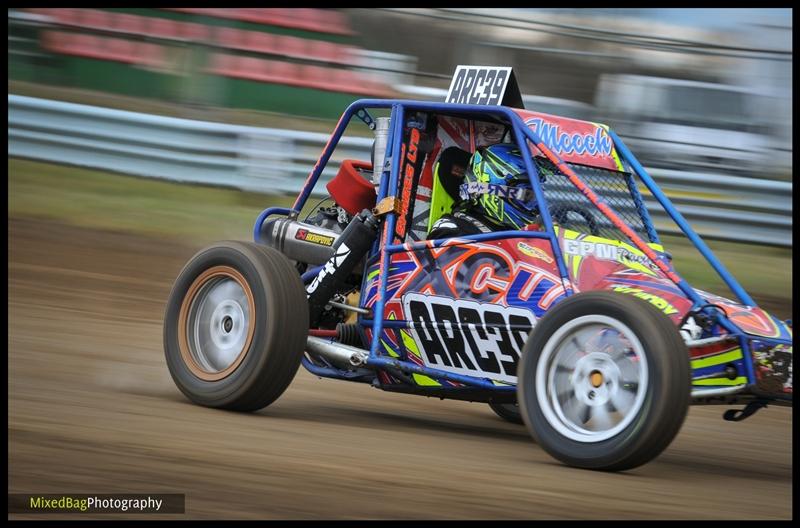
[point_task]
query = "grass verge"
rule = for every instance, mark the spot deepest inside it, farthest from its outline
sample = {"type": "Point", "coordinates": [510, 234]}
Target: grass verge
{"type": "Point", "coordinates": [97, 199]}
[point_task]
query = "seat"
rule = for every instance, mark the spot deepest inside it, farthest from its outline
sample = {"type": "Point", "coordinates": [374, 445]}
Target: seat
{"type": "Point", "coordinates": [163, 28]}
{"type": "Point", "coordinates": [262, 42]}
{"type": "Point", "coordinates": [229, 37]}
{"type": "Point", "coordinates": [151, 54]}
{"type": "Point", "coordinates": [292, 46]}
{"type": "Point", "coordinates": [441, 201]}
{"type": "Point", "coordinates": [95, 19]}
{"type": "Point", "coordinates": [195, 32]}
{"type": "Point", "coordinates": [125, 23]}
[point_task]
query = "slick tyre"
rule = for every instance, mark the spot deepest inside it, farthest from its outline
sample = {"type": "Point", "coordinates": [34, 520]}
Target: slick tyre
{"type": "Point", "coordinates": [604, 381]}
{"type": "Point", "coordinates": [235, 326]}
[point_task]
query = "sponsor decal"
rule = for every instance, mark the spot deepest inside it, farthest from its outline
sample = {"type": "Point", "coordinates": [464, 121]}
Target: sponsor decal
{"type": "Point", "coordinates": [534, 252]}
{"type": "Point", "coordinates": [596, 143]}
{"type": "Point", "coordinates": [314, 238]}
{"type": "Point", "coordinates": [467, 337]}
{"type": "Point", "coordinates": [408, 181]}
{"type": "Point", "coordinates": [341, 254]}
{"type": "Point", "coordinates": [482, 85]}
{"type": "Point", "coordinates": [466, 190]}
{"type": "Point", "coordinates": [653, 299]}
{"type": "Point", "coordinates": [603, 251]}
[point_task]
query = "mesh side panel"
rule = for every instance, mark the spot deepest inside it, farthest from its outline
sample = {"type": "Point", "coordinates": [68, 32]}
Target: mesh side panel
{"type": "Point", "coordinates": [572, 210]}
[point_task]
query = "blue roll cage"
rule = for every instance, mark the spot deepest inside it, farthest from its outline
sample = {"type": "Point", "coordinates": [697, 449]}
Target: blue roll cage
{"type": "Point", "coordinates": [521, 134]}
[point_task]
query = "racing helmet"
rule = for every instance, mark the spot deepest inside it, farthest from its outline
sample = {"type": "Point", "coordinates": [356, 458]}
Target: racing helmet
{"type": "Point", "coordinates": [497, 181]}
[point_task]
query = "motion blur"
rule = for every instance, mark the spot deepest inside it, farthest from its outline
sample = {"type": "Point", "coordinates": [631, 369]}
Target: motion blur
{"type": "Point", "coordinates": [137, 135]}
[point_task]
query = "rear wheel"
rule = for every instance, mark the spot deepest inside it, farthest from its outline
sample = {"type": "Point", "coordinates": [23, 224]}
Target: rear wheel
{"type": "Point", "coordinates": [508, 412]}
{"type": "Point", "coordinates": [604, 381]}
{"type": "Point", "coordinates": [235, 327]}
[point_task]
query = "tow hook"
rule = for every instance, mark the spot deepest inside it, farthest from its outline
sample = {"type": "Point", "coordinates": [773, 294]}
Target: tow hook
{"type": "Point", "coordinates": [737, 415]}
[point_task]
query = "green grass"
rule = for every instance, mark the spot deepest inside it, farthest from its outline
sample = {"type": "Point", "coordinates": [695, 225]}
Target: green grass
{"type": "Point", "coordinates": [96, 199]}
{"type": "Point", "coordinates": [762, 270]}
{"type": "Point", "coordinates": [199, 215]}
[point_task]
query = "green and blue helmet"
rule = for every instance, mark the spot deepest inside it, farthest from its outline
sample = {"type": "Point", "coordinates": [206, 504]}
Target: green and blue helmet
{"type": "Point", "coordinates": [498, 182]}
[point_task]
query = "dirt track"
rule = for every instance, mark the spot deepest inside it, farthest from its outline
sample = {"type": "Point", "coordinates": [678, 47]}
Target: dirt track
{"type": "Point", "coordinates": [92, 409]}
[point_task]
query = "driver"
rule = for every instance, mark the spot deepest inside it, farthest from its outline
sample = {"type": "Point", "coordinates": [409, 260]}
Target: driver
{"type": "Point", "coordinates": [496, 195]}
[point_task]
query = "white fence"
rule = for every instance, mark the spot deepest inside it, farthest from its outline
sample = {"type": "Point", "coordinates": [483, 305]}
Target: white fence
{"type": "Point", "coordinates": [277, 160]}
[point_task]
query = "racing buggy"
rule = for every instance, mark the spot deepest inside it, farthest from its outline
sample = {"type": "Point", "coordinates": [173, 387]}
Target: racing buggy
{"type": "Point", "coordinates": [576, 324]}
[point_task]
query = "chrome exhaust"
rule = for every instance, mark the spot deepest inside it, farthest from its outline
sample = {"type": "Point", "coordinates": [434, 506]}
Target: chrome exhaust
{"type": "Point", "coordinates": [381, 139]}
{"type": "Point", "coordinates": [345, 356]}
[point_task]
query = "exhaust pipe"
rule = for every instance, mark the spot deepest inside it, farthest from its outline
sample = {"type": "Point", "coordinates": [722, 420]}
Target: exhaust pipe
{"type": "Point", "coordinates": [299, 241]}
{"type": "Point", "coordinates": [344, 356]}
{"type": "Point", "coordinates": [379, 149]}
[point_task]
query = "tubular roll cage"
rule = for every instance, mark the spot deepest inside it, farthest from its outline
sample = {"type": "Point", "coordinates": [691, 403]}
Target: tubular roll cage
{"type": "Point", "coordinates": [522, 134]}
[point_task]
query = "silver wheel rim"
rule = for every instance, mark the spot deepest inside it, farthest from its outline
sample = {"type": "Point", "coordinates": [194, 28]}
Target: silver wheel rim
{"type": "Point", "coordinates": [218, 324]}
{"type": "Point", "coordinates": [591, 378]}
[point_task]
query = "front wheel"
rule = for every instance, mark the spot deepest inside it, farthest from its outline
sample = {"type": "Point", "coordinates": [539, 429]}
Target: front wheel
{"type": "Point", "coordinates": [235, 327]}
{"type": "Point", "coordinates": [604, 381]}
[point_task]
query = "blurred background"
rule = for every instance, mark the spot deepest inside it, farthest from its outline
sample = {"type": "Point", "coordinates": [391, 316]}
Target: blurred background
{"type": "Point", "coordinates": [138, 135]}
{"type": "Point", "coordinates": [717, 81]}
{"type": "Point", "coordinates": [244, 98]}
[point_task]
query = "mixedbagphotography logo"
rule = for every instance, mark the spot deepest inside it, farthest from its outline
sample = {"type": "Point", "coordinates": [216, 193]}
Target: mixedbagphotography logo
{"type": "Point", "coordinates": [96, 503]}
